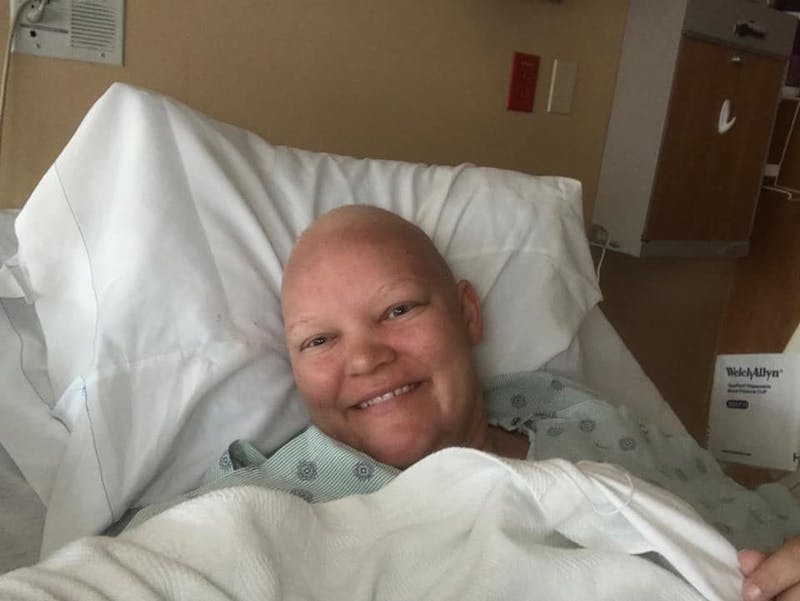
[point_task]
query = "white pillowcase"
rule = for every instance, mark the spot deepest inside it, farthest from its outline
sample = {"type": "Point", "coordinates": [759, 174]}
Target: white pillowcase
{"type": "Point", "coordinates": [155, 246]}
{"type": "Point", "coordinates": [26, 423]}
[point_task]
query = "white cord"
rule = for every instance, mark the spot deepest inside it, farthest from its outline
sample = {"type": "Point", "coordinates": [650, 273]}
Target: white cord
{"type": "Point", "coordinates": [12, 30]}
{"type": "Point", "coordinates": [601, 238]}
{"type": "Point", "coordinates": [604, 248]}
{"type": "Point", "coordinates": [602, 256]}
{"type": "Point", "coordinates": [34, 15]}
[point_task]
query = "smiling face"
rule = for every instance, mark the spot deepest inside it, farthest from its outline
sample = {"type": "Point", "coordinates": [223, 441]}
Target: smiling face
{"type": "Point", "coordinates": [380, 338]}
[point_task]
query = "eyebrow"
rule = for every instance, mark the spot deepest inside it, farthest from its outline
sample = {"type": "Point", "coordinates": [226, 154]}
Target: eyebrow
{"type": "Point", "coordinates": [300, 321]}
{"type": "Point", "coordinates": [391, 286]}
{"type": "Point", "coordinates": [383, 291]}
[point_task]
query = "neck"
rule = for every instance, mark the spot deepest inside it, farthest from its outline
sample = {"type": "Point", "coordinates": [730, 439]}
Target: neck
{"type": "Point", "coordinates": [513, 445]}
{"type": "Point", "coordinates": [493, 439]}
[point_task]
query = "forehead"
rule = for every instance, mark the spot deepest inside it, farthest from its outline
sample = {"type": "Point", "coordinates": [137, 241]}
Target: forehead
{"type": "Point", "coordinates": [336, 259]}
{"type": "Point", "coordinates": [351, 255]}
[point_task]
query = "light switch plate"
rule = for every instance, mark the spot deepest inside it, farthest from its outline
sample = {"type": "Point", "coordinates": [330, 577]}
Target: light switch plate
{"type": "Point", "coordinates": [562, 86]}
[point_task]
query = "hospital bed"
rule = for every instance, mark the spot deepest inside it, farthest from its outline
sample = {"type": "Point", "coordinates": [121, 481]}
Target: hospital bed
{"type": "Point", "coordinates": [140, 331]}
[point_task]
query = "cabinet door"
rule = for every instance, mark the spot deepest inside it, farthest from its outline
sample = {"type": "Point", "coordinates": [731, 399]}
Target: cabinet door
{"type": "Point", "coordinates": [708, 177]}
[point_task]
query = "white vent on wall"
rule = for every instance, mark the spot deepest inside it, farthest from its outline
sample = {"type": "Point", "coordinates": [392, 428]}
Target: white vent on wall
{"type": "Point", "coordinates": [83, 30]}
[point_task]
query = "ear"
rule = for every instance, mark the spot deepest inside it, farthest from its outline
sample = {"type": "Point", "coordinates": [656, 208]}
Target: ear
{"type": "Point", "coordinates": [470, 304]}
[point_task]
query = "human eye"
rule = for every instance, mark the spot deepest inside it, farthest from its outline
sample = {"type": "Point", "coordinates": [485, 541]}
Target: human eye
{"type": "Point", "coordinates": [314, 342]}
{"type": "Point", "coordinates": [400, 310]}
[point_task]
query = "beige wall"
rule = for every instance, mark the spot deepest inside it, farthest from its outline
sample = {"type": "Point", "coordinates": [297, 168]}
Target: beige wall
{"type": "Point", "coordinates": [418, 80]}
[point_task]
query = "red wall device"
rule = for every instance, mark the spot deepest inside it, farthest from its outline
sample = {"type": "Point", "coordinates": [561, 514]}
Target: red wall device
{"type": "Point", "coordinates": [522, 90]}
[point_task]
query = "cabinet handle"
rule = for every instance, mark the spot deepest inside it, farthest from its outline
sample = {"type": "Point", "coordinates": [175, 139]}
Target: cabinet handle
{"type": "Point", "coordinates": [725, 120]}
{"type": "Point", "coordinates": [750, 29]}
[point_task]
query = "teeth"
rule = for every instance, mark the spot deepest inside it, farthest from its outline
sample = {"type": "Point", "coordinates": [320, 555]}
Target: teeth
{"type": "Point", "coordinates": [385, 397]}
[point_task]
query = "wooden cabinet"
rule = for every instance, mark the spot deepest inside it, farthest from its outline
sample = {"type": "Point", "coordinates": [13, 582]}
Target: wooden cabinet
{"type": "Point", "coordinates": [707, 182]}
{"type": "Point", "coordinates": [697, 90]}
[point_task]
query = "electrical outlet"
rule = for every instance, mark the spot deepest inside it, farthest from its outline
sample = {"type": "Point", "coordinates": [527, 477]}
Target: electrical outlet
{"type": "Point", "coordinates": [83, 30]}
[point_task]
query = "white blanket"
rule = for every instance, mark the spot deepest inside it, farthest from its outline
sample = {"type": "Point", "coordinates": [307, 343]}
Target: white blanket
{"type": "Point", "coordinates": [458, 525]}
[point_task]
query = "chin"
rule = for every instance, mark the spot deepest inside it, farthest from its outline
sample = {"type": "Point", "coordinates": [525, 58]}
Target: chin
{"type": "Point", "coordinates": [402, 456]}
{"type": "Point", "coordinates": [399, 460]}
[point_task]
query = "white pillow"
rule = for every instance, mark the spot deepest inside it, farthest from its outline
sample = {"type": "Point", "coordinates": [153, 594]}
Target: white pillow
{"type": "Point", "coordinates": [26, 423]}
{"type": "Point", "coordinates": [155, 245]}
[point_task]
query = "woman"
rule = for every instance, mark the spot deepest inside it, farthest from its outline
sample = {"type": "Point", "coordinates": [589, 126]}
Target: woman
{"type": "Point", "coordinates": [380, 336]}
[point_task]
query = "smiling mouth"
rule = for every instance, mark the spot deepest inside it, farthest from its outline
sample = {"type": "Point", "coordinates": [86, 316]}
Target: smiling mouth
{"type": "Point", "coordinates": [388, 396]}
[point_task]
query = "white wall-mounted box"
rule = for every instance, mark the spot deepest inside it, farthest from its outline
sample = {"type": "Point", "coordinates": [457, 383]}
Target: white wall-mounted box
{"type": "Point", "coordinates": [83, 30]}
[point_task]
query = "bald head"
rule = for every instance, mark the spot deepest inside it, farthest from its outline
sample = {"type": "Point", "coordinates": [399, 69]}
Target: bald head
{"type": "Point", "coordinates": [361, 224]}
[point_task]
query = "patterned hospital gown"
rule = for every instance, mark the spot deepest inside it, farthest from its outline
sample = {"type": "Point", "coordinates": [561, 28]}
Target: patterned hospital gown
{"type": "Point", "coordinates": [562, 419]}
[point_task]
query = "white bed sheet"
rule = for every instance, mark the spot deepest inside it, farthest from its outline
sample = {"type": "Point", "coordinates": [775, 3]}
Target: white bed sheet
{"type": "Point", "coordinates": [25, 397]}
{"type": "Point", "coordinates": [28, 433]}
{"type": "Point", "coordinates": [21, 517]}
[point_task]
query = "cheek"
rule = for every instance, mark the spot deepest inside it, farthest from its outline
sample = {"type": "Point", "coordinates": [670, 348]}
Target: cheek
{"type": "Point", "coordinates": [438, 345]}
{"type": "Point", "coordinates": [318, 382]}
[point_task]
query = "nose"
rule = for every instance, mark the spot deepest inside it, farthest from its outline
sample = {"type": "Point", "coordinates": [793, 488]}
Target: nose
{"type": "Point", "coordinates": [367, 353]}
